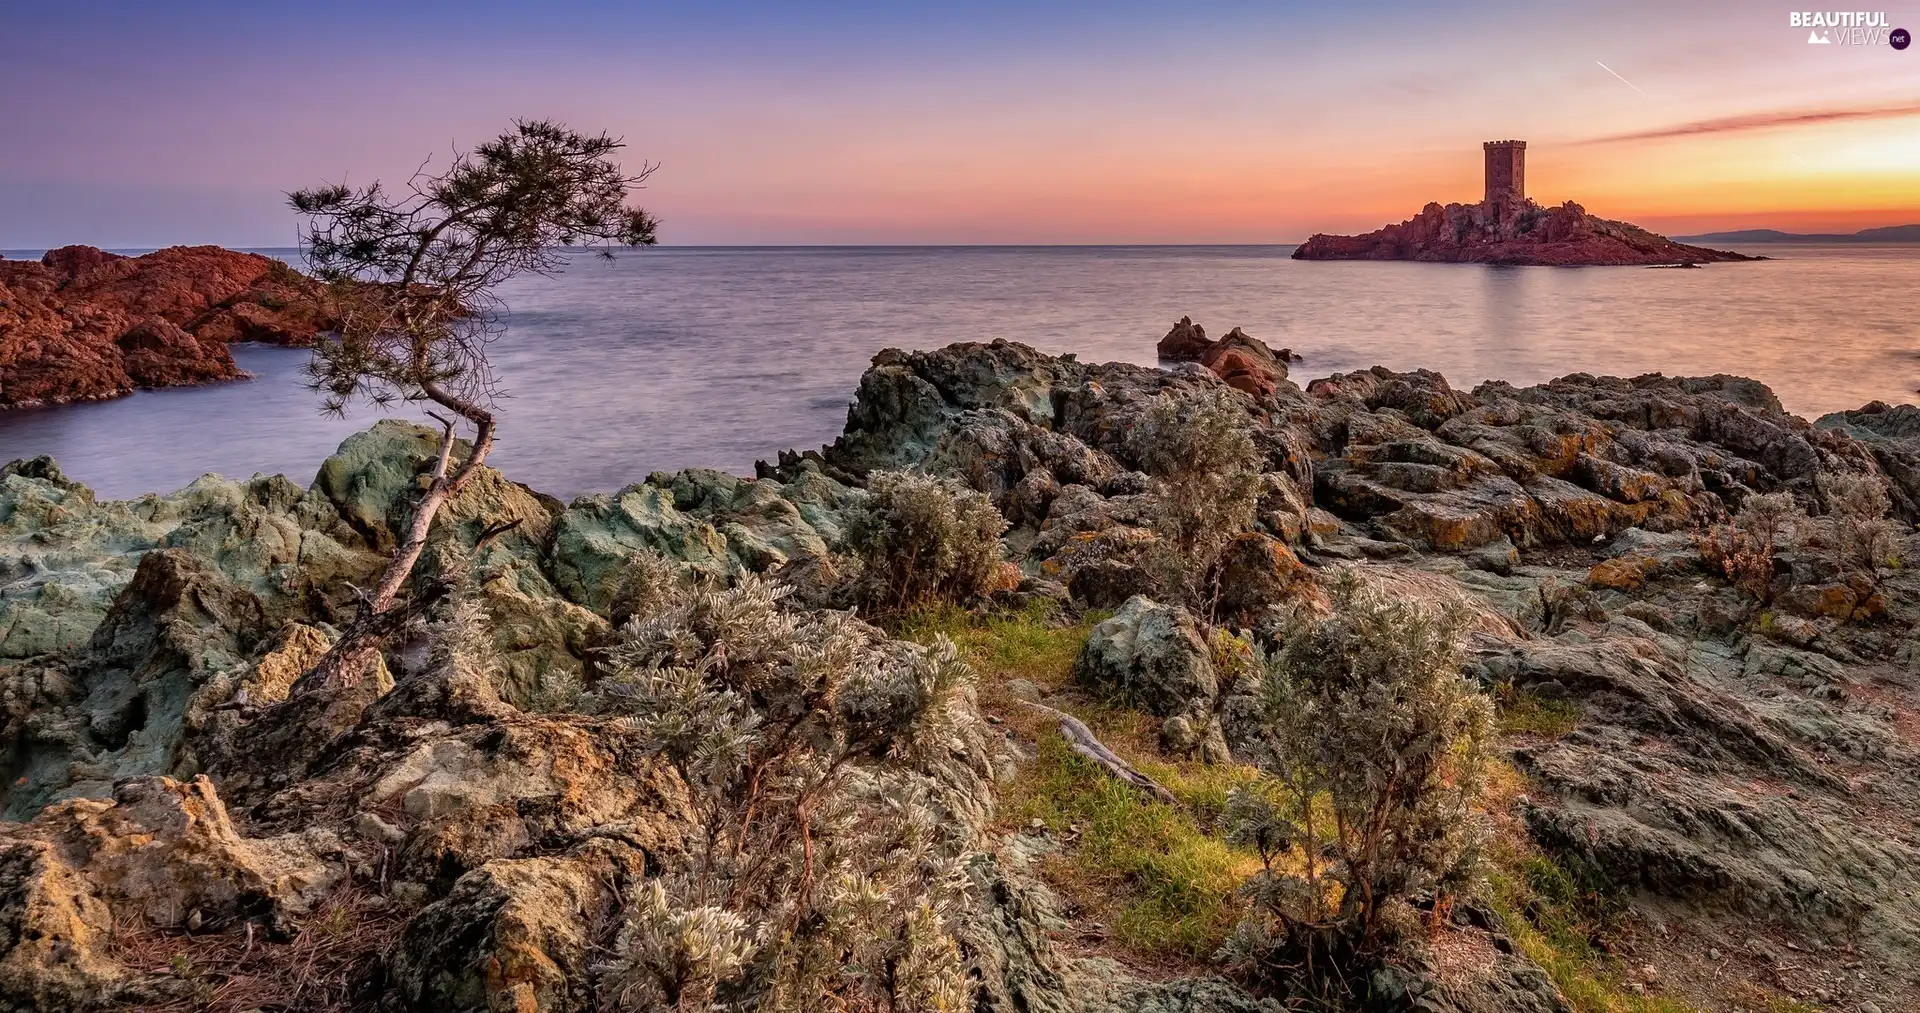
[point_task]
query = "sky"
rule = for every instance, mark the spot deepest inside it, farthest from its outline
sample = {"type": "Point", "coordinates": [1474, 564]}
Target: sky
{"type": "Point", "coordinates": [144, 124]}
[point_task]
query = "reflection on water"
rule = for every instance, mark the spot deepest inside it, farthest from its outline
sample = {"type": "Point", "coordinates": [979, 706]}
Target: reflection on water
{"type": "Point", "coordinates": [672, 358]}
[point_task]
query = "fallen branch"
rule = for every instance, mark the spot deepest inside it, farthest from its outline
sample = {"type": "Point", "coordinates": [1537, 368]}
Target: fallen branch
{"type": "Point", "coordinates": [1081, 740]}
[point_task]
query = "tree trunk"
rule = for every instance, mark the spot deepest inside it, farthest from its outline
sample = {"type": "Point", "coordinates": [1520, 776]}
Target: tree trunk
{"type": "Point", "coordinates": [350, 658]}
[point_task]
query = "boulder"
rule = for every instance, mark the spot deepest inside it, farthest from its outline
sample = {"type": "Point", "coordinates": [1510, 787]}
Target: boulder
{"type": "Point", "coordinates": [159, 855]}
{"type": "Point", "coordinates": [1151, 656]}
{"type": "Point", "coordinates": [1257, 573]}
{"type": "Point", "coordinates": [1241, 360]}
{"type": "Point", "coordinates": [519, 934]}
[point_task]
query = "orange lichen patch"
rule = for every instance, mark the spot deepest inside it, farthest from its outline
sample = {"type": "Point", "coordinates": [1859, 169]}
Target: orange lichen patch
{"type": "Point", "coordinates": [1622, 574]}
{"type": "Point", "coordinates": [1005, 577]}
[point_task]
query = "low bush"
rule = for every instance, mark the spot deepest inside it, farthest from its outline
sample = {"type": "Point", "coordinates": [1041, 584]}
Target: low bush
{"type": "Point", "coordinates": [1741, 548]}
{"type": "Point", "coordinates": [1200, 452]}
{"type": "Point", "coordinates": [1378, 755]}
{"type": "Point", "coordinates": [922, 539]}
{"type": "Point", "coordinates": [1856, 527]}
{"type": "Point", "coordinates": [832, 777]}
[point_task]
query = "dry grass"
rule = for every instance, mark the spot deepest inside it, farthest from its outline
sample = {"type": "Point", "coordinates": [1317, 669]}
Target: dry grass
{"type": "Point", "coordinates": [323, 968]}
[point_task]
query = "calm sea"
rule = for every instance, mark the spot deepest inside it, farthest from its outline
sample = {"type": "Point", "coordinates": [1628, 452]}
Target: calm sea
{"type": "Point", "coordinates": [672, 358]}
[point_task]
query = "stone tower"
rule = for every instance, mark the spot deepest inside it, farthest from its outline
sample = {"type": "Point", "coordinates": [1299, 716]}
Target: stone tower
{"type": "Point", "coordinates": [1506, 171]}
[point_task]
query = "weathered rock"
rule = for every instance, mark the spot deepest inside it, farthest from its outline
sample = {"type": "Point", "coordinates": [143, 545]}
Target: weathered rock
{"type": "Point", "coordinates": [1257, 573]}
{"type": "Point", "coordinates": [158, 855]}
{"type": "Point", "coordinates": [82, 324]}
{"type": "Point", "coordinates": [1153, 657]}
{"type": "Point", "coordinates": [519, 934]}
{"type": "Point", "coordinates": [1241, 360]}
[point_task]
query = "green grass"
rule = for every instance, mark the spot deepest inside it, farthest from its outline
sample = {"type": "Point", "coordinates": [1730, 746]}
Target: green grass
{"type": "Point", "coordinates": [1158, 876]}
{"type": "Point", "coordinates": [1523, 713]}
{"type": "Point", "coordinates": [1161, 877]}
{"type": "Point", "coordinates": [1031, 644]}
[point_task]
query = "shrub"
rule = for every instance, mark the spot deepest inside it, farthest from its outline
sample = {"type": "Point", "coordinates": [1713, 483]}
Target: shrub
{"type": "Point", "coordinates": [1378, 754]}
{"type": "Point", "coordinates": [1855, 525]}
{"type": "Point", "coordinates": [1742, 549]}
{"type": "Point", "coordinates": [1199, 449]}
{"type": "Point", "coordinates": [923, 539]}
{"type": "Point", "coordinates": [835, 781]}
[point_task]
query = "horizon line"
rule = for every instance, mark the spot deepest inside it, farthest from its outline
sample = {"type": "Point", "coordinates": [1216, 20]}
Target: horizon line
{"type": "Point", "coordinates": [923, 246]}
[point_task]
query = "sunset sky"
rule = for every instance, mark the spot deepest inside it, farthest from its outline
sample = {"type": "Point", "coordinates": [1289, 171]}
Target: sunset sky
{"type": "Point", "coordinates": [987, 122]}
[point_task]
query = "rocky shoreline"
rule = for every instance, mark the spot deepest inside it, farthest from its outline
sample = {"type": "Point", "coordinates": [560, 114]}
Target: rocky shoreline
{"type": "Point", "coordinates": [81, 324]}
{"type": "Point", "coordinates": [1742, 771]}
{"type": "Point", "coordinates": [1520, 234]}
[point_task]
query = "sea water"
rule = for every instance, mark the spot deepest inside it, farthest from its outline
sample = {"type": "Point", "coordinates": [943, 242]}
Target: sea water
{"type": "Point", "coordinates": [681, 357]}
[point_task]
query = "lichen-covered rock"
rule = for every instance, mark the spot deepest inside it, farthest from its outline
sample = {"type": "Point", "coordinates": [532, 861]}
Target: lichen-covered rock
{"type": "Point", "coordinates": [158, 855]}
{"type": "Point", "coordinates": [1256, 573]}
{"type": "Point", "coordinates": [1152, 656]}
{"type": "Point", "coordinates": [702, 518]}
{"type": "Point", "coordinates": [519, 934]}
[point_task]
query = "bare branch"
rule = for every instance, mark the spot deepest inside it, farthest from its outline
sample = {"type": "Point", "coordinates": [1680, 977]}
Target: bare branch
{"type": "Point", "coordinates": [1081, 740]}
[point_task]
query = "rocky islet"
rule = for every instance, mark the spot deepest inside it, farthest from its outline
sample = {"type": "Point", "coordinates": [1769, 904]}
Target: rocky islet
{"type": "Point", "coordinates": [1520, 233]}
{"type": "Point", "coordinates": [82, 324]}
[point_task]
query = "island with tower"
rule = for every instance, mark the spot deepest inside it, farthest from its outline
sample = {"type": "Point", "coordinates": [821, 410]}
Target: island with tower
{"type": "Point", "coordinates": [1506, 227]}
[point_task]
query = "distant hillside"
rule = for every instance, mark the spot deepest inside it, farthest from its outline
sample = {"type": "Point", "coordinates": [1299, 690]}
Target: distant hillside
{"type": "Point", "coordinates": [1889, 234]}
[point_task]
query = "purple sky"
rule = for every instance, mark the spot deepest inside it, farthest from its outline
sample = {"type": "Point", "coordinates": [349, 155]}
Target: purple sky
{"type": "Point", "coordinates": [149, 124]}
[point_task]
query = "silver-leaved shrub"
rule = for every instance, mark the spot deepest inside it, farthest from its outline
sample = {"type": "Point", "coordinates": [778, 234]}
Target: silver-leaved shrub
{"type": "Point", "coordinates": [837, 780]}
{"type": "Point", "coordinates": [1378, 753]}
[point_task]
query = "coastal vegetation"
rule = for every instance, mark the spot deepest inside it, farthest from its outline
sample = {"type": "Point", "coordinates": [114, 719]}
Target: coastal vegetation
{"type": "Point", "coordinates": [411, 278]}
{"type": "Point", "coordinates": [1462, 715]}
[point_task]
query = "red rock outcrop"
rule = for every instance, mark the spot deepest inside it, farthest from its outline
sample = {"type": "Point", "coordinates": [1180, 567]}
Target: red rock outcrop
{"type": "Point", "coordinates": [1242, 360]}
{"type": "Point", "coordinates": [1529, 234]}
{"type": "Point", "coordinates": [83, 324]}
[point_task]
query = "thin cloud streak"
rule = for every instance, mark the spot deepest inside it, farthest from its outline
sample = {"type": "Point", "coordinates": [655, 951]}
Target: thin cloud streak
{"type": "Point", "coordinates": [1761, 121]}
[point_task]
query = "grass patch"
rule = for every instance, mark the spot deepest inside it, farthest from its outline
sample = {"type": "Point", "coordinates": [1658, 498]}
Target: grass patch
{"type": "Point", "coordinates": [1523, 713]}
{"type": "Point", "coordinates": [1158, 876]}
{"type": "Point", "coordinates": [1031, 644]}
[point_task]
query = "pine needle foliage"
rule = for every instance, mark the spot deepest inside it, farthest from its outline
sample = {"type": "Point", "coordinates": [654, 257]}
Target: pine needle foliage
{"type": "Point", "coordinates": [836, 779]}
{"type": "Point", "coordinates": [1378, 755]}
{"type": "Point", "coordinates": [411, 279]}
{"type": "Point", "coordinates": [413, 270]}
